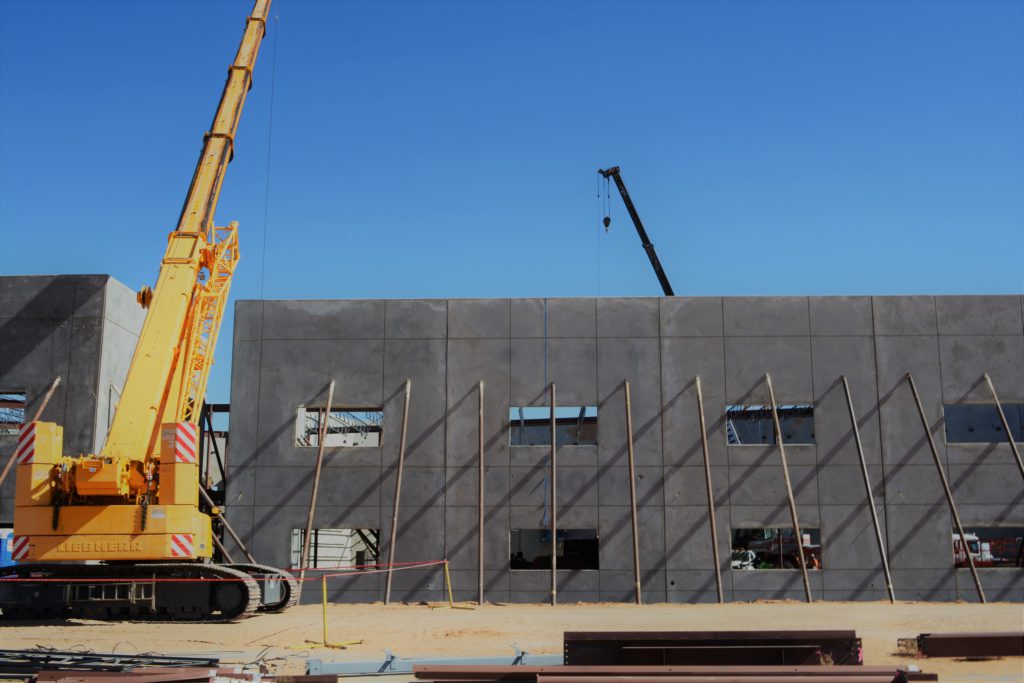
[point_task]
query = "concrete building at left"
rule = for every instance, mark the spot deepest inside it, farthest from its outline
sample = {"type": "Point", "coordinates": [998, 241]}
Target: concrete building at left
{"type": "Point", "coordinates": [81, 328]}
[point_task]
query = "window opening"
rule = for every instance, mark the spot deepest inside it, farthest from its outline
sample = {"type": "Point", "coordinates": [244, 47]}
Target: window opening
{"type": "Point", "coordinates": [531, 426]}
{"type": "Point", "coordinates": [12, 412]}
{"type": "Point", "coordinates": [337, 548]}
{"type": "Point", "coordinates": [774, 548]}
{"type": "Point", "coordinates": [752, 425]}
{"type": "Point", "coordinates": [990, 546]}
{"type": "Point", "coordinates": [348, 427]}
{"type": "Point", "coordinates": [531, 549]}
{"type": "Point", "coordinates": [980, 423]}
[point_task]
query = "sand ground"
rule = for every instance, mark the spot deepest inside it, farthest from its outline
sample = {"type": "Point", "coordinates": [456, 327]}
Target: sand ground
{"type": "Point", "coordinates": [492, 630]}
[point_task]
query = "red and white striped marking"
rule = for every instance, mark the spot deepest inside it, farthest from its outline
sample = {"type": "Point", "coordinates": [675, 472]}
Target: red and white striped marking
{"type": "Point", "coordinates": [181, 545]}
{"type": "Point", "coordinates": [19, 548]}
{"type": "Point", "coordinates": [26, 448]}
{"type": "Point", "coordinates": [186, 442]}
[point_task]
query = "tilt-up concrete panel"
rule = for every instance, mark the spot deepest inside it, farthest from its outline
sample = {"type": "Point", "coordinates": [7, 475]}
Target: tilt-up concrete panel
{"type": "Point", "coordinates": [682, 360]}
{"type": "Point", "coordinates": [759, 316]}
{"type": "Point", "coordinates": [842, 316]}
{"type": "Point", "coordinates": [854, 358]}
{"type": "Point", "coordinates": [992, 315]}
{"type": "Point", "coordinates": [588, 348]}
{"type": "Point", "coordinates": [638, 361]}
{"type": "Point", "coordinates": [691, 317]}
{"type": "Point", "coordinates": [965, 361]}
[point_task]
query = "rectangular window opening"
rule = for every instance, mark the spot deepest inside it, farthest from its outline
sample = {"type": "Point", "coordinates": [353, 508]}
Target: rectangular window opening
{"type": "Point", "coordinates": [346, 427]}
{"type": "Point", "coordinates": [531, 549]}
{"type": "Point", "coordinates": [752, 424]}
{"type": "Point", "coordinates": [337, 548]}
{"type": "Point", "coordinates": [12, 412]}
{"type": "Point", "coordinates": [990, 546]}
{"type": "Point", "coordinates": [774, 548]}
{"type": "Point", "coordinates": [531, 426]}
{"type": "Point", "coordinates": [980, 423]}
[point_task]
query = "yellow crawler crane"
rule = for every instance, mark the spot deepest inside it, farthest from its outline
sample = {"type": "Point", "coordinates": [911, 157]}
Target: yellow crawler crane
{"type": "Point", "coordinates": [120, 533]}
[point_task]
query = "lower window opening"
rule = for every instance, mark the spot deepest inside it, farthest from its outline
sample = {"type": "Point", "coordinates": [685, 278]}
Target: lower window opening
{"type": "Point", "coordinates": [990, 547]}
{"type": "Point", "coordinates": [337, 548]}
{"type": "Point", "coordinates": [774, 548]}
{"type": "Point", "coordinates": [531, 549]}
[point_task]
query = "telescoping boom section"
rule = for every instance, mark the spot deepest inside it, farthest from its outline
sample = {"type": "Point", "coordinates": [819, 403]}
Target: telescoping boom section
{"type": "Point", "coordinates": [136, 502]}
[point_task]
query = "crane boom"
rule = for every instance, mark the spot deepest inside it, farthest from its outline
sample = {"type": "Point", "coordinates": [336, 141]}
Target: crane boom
{"type": "Point", "coordinates": [167, 378]}
{"type": "Point", "coordinates": [615, 175]}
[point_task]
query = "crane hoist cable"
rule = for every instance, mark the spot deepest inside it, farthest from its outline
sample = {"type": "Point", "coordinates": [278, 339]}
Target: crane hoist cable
{"type": "Point", "coordinates": [270, 140]}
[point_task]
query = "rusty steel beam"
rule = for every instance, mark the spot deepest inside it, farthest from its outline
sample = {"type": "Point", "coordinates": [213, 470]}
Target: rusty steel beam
{"type": "Point", "coordinates": [304, 558]}
{"type": "Point", "coordinates": [799, 539]}
{"type": "Point", "coordinates": [451, 673]}
{"type": "Point", "coordinates": [554, 502]}
{"type": "Point", "coordinates": [691, 648]}
{"type": "Point", "coordinates": [711, 495]}
{"type": "Point", "coordinates": [480, 487]}
{"type": "Point", "coordinates": [398, 492]}
{"type": "Point", "coordinates": [632, 495]}
{"type": "Point", "coordinates": [945, 488]}
{"type": "Point", "coordinates": [995, 644]}
{"type": "Point", "coordinates": [867, 486]}
{"type": "Point", "coordinates": [1006, 425]}
{"type": "Point", "coordinates": [723, 675]}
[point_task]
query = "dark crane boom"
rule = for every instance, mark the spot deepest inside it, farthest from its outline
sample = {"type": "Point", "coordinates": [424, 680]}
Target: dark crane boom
{"type": "Point", "coordinates": [614, 174]}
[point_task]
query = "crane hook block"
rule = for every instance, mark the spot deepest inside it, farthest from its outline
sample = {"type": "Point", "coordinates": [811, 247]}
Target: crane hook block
{"type": "Point", "coordinates": [607, 221]}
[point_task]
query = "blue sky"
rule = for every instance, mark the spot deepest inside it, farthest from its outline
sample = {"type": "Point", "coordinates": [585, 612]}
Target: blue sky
{"type": "Point", "coordinates": [449, 149]}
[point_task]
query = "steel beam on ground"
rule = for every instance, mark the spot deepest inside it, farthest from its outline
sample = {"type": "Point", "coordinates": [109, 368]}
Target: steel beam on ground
{"type": "Point", "coordinates": [725, 675]}
{"type": "Point", "coordinates": [945, 487]}
{"type": "Point", "coordinates": [664, 674]}
{"type": "Point", "coordinates": [1006, 425]}
{"type": "Point", "coordinates": [632, 494]}
{"type": "Point", "coordinates": [694, 648]}
{"type": "Point", "coordinates": [867, 486]}
{"type": "Point", "coordinates": [711, 495]}
{"type": "Point", "coordinates": [789, 490]}
{"type": "Point", "coordinates": [304, 559]}
{"type": "Point", "coordinates": [393, 664]}
{"type": "Point", "coordinates": [398, 491]}
{"type": "Point", "coordinates": [995, 644]}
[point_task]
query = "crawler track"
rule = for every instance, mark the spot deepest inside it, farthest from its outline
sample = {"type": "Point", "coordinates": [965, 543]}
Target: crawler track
{"type": "Point", "coordinates": [289, 584]}
{"type": "Point", "coordinates": [141, 592]}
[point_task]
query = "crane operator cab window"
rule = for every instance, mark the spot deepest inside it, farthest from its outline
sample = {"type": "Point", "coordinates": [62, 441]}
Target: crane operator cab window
{"type": "Point", "coordinates": [345, 427]}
